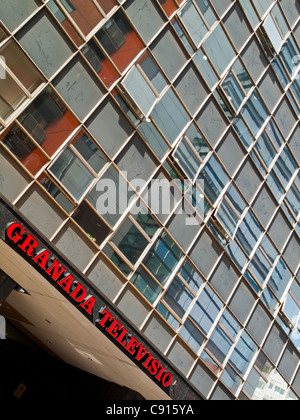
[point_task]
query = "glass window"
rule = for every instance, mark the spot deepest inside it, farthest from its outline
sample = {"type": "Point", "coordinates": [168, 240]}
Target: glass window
{"type": "Point", "coordinates": [285, 117]}
{"type": "Point", "coordinates": [140, 91]}
{"type": "Point", "coordinates": [273, 33]}
{"type": "Point", "coordinates": [248, 180]}
{"type": "Point", "coordinates": [24, 149]}
{"type": "Point", "coordinates": [280, 279]}
{"type": "Point", "coordinates": [219, 344]}
{"type": "Point", "coordinates": [146, 284]}
{"type": "Point", "coordinates": [191, 335]}
{"type": "Point", "coordinates": [153, 138]}
{"type": "Point", "coordinates": [168, 53]}
{"type": "Point", "coordinates": [14, 12]}
{"type": "Point", "coordinates": [225, 278]}
{"type": "Point", "coordinates": [231, 152]}
{"type": "Point", "coordinates": [162, 310]}
{"type": "Point", "coordinates": [170, 116]}
{"type": "Point", "coordinates": [42, 35]}
{"type": "Point", "coordinates": [249, 232]}
{"type": "Point", "coordinates": [231, 379]}
{"type": "Point", "coordinates": [130, 241]}
{"type": "Point", "coordinates": [110, 196]}
{"type": "Point", "coordinates": [19, 73]}
{"type": "Point", "coordinates": [187, 159]}
{"type": "Point", "coordinates": [79, 88]}
{"type": "Point", "coordinates": [243, 353]}
{"type": "Point", "coordinates": [109, 127]}
{"type": "Point", "coordinates": [116, 260]}
{"type": "Point", "coordinates": [254, 59]}
{"type": "Point", "coordinates": [91, 223]}
{"type": "Point", "coordinates": [100, 63]}
{"type": "Point", "coordinates": [120, 41]}
{"type": "Point", "coordinates": [219, 49]}
{"type": "Point", "coordinates": [191, 89]}
{"type": "Point", "coordinates": [206, 11]}
{"type": "Point", "coordinates": [61, 16]}
{"type": "Point", "coordinates": [168, 6]}
{"type": "Point", "coordinates": [163, 258]}
{"type": "Point", "coordinates": [106, 5]}
{"type": "Point", "coordinates": [206, 310]}
{"type": "Point", "coordinates": [237, 26]}
{"type": "Point", "coordinates": [89, 151]}
{"type": "Point", "coordinates": [145, 16]}
{"type": "Point", "coordinates": [212, 121]}
{"type": "Point", "coordinates": [215, 179]}
{"type": "Point", "coordinates": [193, 22]}
{"type": "Point", "coordinates": [285, 167]}
{"type": "Point", "coordinates": [152, 73]}
{"type": "Point", "coordinates": [48, 121]}
{"type": "Point", "coordinates": [55, 192]}
{"type": "Point", "coordinates": [86, 16]}
{"type": "Point", "coordinates": [191, 276]}
{"type": "Point", "coordinates": [71, 172]}
{"type": "Point", "coordinates": [137, 162]}
{"type": "Point", "coordinates": [178, 297]}
{"type": "Point", "coordinates": [205, 68]}
{"type": "Point", "coordinates": [146, 221]}
{"type": "Point", "coordinates": [255, 113]}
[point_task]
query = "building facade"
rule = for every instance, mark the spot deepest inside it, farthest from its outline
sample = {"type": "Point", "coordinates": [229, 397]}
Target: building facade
{"type": "Point", "coordinates": [152, 148]}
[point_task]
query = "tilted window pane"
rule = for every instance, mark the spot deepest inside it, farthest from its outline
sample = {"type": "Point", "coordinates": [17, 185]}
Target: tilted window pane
{"type": "Point", "coordinates": [45, 43]}
{"type": "Point", "coordinates": [243, 353]}
{"type": "Point", "coordinates": [14, 12]}
{"type": "Point", "coordinates": [49, 121]}
{"type": "Point", "coordinates": [130, 241]}
{"type": "Point", "coordinates": [178, 297]}
{"type": "Point", "coordinates": [193, 22]}
{"type": "Point", "coordinates": [206, 310]}
{"type": "Point", "coordinates": [163, 258]}
{"type": "Point", "coordinates": [72, 174]}
{"type": "Point", "coordinates": [79, 88]}
{"type": "Point", "coordinates": [146, 285]}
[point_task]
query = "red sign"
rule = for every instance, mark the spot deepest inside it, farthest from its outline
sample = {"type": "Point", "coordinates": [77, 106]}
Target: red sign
{"type": "Point", "coordinates": [58, 273]}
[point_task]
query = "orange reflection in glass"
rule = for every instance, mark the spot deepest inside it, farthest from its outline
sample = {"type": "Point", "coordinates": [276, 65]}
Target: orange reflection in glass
{"type": "Point", "coordinates": [100, 63]}
{"type": "Point", "coordinates": [106, 5]}
{"type": "Point", "coordinates": [84, 12]}
{"type": "Point", "coordinates": [169, 6]}
{"type": "Point", "coordinates": [48, 121]}
{"type": "Point", "coordinates": [24, 149]}
{"type": "Point", "coordinates": [120, 41]}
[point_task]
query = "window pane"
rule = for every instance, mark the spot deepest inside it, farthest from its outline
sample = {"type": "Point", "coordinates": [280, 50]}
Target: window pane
{"type": "Point", "coordinates": [255, 113]}
{"type": "Point", "coordinates": [206, 310]}
{"type": "Point", "coordinates": [72, 173]}
{"type": "Point", "coordinates": [191, 335]}
{"type": "Point", "coordinates": [25, 150]}
{"type": "Point", "coordinates": [170, 116]}
{"type": "Point", "coordinates": [178, 297]}
{"type": "Point", "coordinates": [243, 353]}
{"type": "Point", "coordinates": [41, 35]}
{"type": "Point", "coordinates": [86, 15]}
{"type": "Point", "coordinates": [163, 258]}
{"type": "Point", "coordinates": [91, 223]}
{"type": "Point", "coordinates": [152, 72]}
{"type": "Point", "coordinates": [109, 127]}
{"type": "Point", "coordinates": [145, 16]}
{"type": "Point", "coordinates": [14, 12]}
{"type": "Point", "coordinates": [11, 95]}
{"type": "Point", "coordinates": [193, 23]}
{"type": "Point", "coordinates": [55, 192]}
{"type": "Point", "coordinates": [187, 159]}
{"type": "Point", "coordinates": [79, 88]}
{"type": "Point", "coordinates": [106, 5]}
{"type": "Point", "coordinates": [100, 63]}
{"type": "Point", "coordinates": [219, 49]}
{"type": "Point", "coordinates": [191, 276]}
{"type": "Point", "coordinates": [168, 53]}
{"type": "Point", "coordinates": [130, 241]}
{"type": "Point", "coordinates": [21, 67]}
{"type": "Point", "coordinates": [48, 121]}
{"type": "Point", "coordinates": [140, 90]}
{"type": "Point", "coordinates": [146, 285]}
{"type": "Point", "coordinates": [89, 151]}
{"type": "Point", "coordinates": [120, 41]}
{"type": "Point", "coordinates": [219, 344]}
{"type": "Point", "coordinates": [168, 6]}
